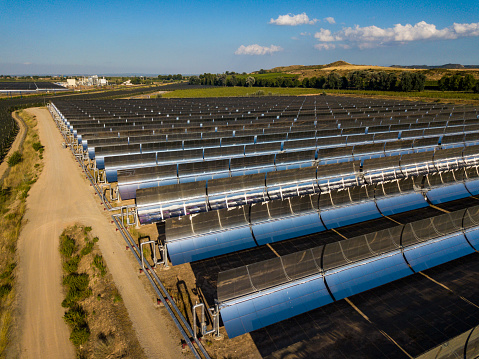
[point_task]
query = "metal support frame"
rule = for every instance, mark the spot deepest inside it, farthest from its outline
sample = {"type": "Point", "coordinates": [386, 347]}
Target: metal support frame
{"type": "Point", "coordinates": [156, 246]}
{"type": "Point", "coordinates": [114, 194]}
{"type": "Point", "coordinates": [127, 212]}
{"type": "Point", "coordinates": [164, 255]}
{"type": "Point", "coordinates": [101, 176]}
{"type": "Point", "coordinates": [215, 313]}
{"type": "Point", "coordinates": [155, 261]}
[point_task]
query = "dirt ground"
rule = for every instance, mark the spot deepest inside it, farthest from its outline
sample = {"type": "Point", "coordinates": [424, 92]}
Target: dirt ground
{"type": "Point", "coordinates": [61, 197]}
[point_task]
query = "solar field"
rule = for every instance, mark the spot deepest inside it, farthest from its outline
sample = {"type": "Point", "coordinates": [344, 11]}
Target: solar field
{"type": "Point", "coordinates": [29, 87]}
{"type": "Point", "coordinates": [323, 226]}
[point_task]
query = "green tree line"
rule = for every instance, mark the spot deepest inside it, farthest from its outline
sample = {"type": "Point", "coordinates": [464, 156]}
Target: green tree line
{"type": "Point", "coordinates": [458, 82]}
{"type": "Point", "coordinates": [360, 80]}
{"type": "Point", "coordinates": [177, 77]}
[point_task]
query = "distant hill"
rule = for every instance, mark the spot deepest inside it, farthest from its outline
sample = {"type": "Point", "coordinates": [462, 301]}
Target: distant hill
{"type": "Point", "coordinates": [343, 68]}
{"type": "Point", "coordinates": [309, 67]}
{"type": "Point", "coordinates": [431, 67]}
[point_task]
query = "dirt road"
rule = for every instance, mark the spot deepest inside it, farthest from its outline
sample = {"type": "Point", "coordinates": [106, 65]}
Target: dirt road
{"type": "Point", "coordinates": [62, 196]}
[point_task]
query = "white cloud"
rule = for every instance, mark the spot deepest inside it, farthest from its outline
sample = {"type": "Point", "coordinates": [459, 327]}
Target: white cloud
{"type": "Point", "coordinates": [293, 20]}
{"type": "Point", "coordinates": [325, 36]}
{"type": "Point", "coordinates": [257, 50]}
{"type": "Point", "coordinates": [305, 34]}
{"type": "Point", "coordinates": [330, 20]}
{"type": "Point", "coordinates": [373, 36]}
{"type": "Point", "coordinates": [325, 46]}
{"type": "Point", "coordinates": [467, 29]}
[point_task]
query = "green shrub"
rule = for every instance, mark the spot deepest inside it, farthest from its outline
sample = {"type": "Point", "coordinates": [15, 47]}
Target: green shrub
{"type": "Point", "coordinates": [87, 249]}
{"type": "Point", "coordinates": [117, 297]}
{"type": "Point", "coordinates": [86, 230]}
{"type": "Point", "coordinates": [71, 265]}
{"type": "Point", "coordinates": [80, 336]}
{"type": "Point", "coordinates": [25, 188]}
{"type": "Point", "coordinates": [76, 318]}
{"type": "Point", "coordinates": [77, 288]}
{"type": "Point", "coordinates": [8, 272]}
{"type": "Point", "coordinates": [14, 159]}
{"type": "Point", "coordinates": [4, 194]}
{"type": "Point", "coordinates": [37, 146]}
{"type": "Point", "coordinates": [98, 262]}
{"type": "Point", "coordinates": [5, 289]}
{"type": "Point", "coordinates": [67, 246]}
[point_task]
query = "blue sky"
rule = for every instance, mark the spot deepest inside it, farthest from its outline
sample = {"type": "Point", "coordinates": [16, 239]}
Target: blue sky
{"type": "Point", "coordinates": [153, 37]}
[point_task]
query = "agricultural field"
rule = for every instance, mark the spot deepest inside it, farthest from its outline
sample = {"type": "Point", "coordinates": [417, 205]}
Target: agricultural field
{"type": "Point", "coordinates": [240, 91]}
{"type": "Point", "coordinates": [8, 131]}
{"type": "Point", "coordinates": [440, 96]}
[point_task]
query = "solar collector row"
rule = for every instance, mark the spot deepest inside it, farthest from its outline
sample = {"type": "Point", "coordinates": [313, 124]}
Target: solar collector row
{"type": "Point", "coordinates": [349, 119]}
{"type": "Point", "coordinates": [196, 111]}
{"type": "Point", "coordinates": [263, 293]}
{"type": "Point", "coordinates": [375, 168]}
{"type": "Point", "coordinates": [167, 152]}
{"type": "Point", "coordinates": [354, 122]}
{"type": "Point", "coordinates": [129, 137]}
{"type": "Point", "coordinates": [115, 163]}
{"type": "Point", "coordinates": [168, 142]}
{"type": "Point", "coordinates": [205, 235]}
{"type": "Point", "coordinates": [235, 119]}
{"type": "Point", "coordinates": [316, 104]}
{"type": "Point", "coordinates": [203, 125]}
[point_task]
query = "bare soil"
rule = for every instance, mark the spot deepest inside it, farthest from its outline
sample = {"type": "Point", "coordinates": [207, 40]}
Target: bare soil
{"type": "Point", "coordinates": [62, 197]}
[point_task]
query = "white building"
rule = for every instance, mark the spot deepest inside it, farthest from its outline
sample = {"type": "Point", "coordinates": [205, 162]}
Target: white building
{"type": "Point", "coordinates": [71, 82]}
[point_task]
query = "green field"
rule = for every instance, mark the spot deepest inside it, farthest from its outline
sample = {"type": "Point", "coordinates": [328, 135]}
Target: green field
{"type": "Point", "coordinates": [251, 91]}
{"type": "Point", "coordinates": [241, 91]}
{"type": "Point", "coordinates": [440, 95]}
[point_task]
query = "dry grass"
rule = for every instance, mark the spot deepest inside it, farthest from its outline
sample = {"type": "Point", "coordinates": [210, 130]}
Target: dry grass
{"type": "Point", "coordinates": [13, 194]}
{"type": "Point", "coordinates": [343, 68]}
{"type": "Point", "coordinates": [111, 331]}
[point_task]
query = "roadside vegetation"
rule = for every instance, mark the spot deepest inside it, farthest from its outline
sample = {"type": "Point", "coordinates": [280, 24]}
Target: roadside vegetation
{"type": "Point", "coordinates": [25, 167]}
{"type": "Point", "coordinates": [14, 159]}
{"type": "Point", "coordinates": [95, 313]}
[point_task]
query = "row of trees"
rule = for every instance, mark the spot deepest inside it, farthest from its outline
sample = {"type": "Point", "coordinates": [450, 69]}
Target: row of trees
{"type": "Point", "coordinates": [177, 77]}
{"type": "Point", "coordinates": [360, 80]}
{"type": "Point", "coordinates": [458, 82]}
